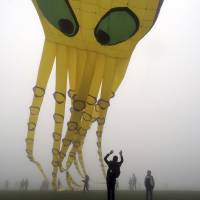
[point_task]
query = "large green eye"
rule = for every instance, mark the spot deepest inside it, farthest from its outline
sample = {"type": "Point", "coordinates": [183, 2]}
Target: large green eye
{"type": "Point", "coordinates": [60, 14]}
{"type": "Point", "coordinates": [116, 26]}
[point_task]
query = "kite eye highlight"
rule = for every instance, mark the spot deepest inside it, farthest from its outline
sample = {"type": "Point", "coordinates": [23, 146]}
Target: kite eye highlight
{"type": "Point", "coordinates": [117, 25]}
{"type": "Point", "coordinates": [60, 15]}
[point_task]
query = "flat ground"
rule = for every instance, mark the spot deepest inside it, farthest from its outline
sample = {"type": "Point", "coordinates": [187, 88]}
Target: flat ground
{"type": "Point", "coordinates": [96, 195]}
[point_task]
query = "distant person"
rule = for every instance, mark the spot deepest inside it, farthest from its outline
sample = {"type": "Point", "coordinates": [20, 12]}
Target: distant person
{"type": "Point", "coordinates": [134, 181]}
{"type": "Point", "coordinates": [16, 186]}
{"type": "Point", "coordinates": [45, 185]}
{"type": "Point", "coordinates": [130, 182]}
{"type": "Point", "coordinates": [22, 184]}
{"type": "Point", "coordinates": [59, 184]}
{"type": "Point", "coordinates": [86, 183]}
{"type": "Point", "coordinates": [112, 173]}
{"type": "Point", "coordinates": [117, 185]}
{"type": "Point", "coordinates": [42, 186]}
{"type": "Point", "coordinates": [149, 185]}
{"type": "Point", "coordinates": [7, 185]}
{"type": "Point", "coordinates": [26, 184]}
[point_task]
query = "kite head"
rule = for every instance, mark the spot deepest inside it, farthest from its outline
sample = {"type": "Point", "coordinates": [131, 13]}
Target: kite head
{"type": "Point", "coordinates": [112, 29]}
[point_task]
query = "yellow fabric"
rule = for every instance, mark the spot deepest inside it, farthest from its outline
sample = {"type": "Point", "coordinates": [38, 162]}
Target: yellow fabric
{"type": "Point", "coordinates": [60, 97]}
{"type": "Point", "coordinates": [71, 182]}
{"type": "Point", "coordinates": [94, 73]}
{"type": "Point", "coordinates": [48, 56]}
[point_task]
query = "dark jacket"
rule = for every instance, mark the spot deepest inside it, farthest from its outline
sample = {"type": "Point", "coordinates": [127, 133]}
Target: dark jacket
{"type": "Point", "coordinates": [149, 182]}
{"type": "Point", "coordinates": [113, 171]}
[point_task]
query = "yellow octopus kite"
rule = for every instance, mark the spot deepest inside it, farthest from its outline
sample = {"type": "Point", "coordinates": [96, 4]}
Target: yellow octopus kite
{"type": "Point", "coordinates": [91, 42]}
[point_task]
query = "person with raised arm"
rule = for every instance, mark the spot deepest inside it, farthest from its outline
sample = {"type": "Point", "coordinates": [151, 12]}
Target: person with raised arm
{"type": "Point", "coordinates": [113, 173]}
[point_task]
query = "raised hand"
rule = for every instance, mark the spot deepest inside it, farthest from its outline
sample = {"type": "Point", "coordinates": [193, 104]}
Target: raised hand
{"type": "Point", "coordinates": [111, 151]}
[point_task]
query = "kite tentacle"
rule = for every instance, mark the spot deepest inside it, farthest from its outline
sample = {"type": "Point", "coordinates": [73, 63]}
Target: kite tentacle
{"type": "Point", "coordinates": [76, 164]}
{"type": "Point", "coordinates": [70, 181]}
{"type": "Point", "coordinates": [81, 58]}
{"type": "Point", "coordinates": [87, 119]}
{"type": "Point", "coordinates": [99, 140]}
{"type": "Point", "coordinates": [72, 65]}
{"type": "Point", "coordinates": [81, 160]}
{"type": "Point", "coordinates": [60, 101]}
{"type": "Point", "coordinates": [79, 102]}
{"type": "Point", "coordinates": [103, 104]}
{"type": "Point", "coordinates": [46, 64]}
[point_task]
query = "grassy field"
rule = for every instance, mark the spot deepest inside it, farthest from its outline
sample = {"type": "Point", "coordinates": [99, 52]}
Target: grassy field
{"type": "Point", "coordinates": [96, 195]}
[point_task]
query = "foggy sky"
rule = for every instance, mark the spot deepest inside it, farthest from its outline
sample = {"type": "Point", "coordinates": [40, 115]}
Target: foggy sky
{"type": "Point", "coordinates": [154, 117]}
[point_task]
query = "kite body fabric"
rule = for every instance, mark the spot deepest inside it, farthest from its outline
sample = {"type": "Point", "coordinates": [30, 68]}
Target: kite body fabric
{"type": "Point", "coordinates": [91, 42]}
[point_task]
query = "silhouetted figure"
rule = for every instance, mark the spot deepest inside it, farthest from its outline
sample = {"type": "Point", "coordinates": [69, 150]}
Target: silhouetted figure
{"type": "Point", "coordinates": [7, 185]}
{"type": "Point", "coordinates": [59, 184]}
{"type": "Point", "coordinates": [112, 173]}
{"type": "Point", "coordinates": [130, 182]}
{"type": "Point", "coordinates": [149, 185]}
{"type": "Point", "coordinates": [16, 186]}
{"type": "Point", "coordinates": [117, 185]}
{"type": "Point", "coordinates": [86, 183]}
{"type": "Point", "coordinates": [134, 182]}
{"type": "Point", "coordinates": [26, 184]}
{"type": "Point", "coordinates": [45, 185]}
{"type": "Point", "coordinates": [22, 184]}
